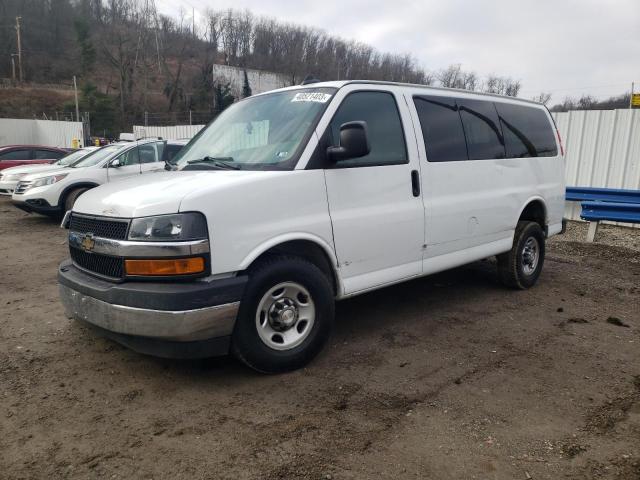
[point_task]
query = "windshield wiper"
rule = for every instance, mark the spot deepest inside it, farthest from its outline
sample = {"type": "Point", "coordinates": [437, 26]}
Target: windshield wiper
{"type": "Point", "coordinates": [220, 162]}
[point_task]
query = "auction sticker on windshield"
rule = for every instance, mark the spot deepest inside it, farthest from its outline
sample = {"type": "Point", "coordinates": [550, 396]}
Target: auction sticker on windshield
{"type": "Point", "coordinates": [311, 97]}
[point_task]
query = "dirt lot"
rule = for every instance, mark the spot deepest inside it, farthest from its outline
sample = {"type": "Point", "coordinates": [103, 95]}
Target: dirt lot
{"type": "Point", "coordinates": [446, 377]}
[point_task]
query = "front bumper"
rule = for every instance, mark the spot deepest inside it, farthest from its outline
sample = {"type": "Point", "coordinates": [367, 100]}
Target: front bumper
{"type": "Point", "coordinates": [37, 205]}
{"type": "Point", "coordinates": [7, 188]}
{"type": "Point", "coordinates": [177, 320]}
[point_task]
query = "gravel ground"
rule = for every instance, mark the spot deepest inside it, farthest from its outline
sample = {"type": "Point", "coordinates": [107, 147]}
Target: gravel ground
{"type": "Point", "coordinates": [611, 235]}
{"type": "Point", "coordinates": [445, 377]}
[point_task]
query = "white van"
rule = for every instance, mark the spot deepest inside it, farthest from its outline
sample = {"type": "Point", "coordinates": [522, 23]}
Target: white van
{"type": "Point", "coordinates": [54, 192]}
{"type": "Point", "coordinates": [298, 197]}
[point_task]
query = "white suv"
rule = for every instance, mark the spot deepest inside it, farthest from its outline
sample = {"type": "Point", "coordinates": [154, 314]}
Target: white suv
{"type": "Point", "coordinates": [298, 197]}
{"type": "Point", "coordinates": [55, 191]}
{"type": "Point", "coordinates": [9, 177]}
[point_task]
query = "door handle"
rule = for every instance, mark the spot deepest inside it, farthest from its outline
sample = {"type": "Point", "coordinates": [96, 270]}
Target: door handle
{"type": "Point", "coordinates": [415, 183]}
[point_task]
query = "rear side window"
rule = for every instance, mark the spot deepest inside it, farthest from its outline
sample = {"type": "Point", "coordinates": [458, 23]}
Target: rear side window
{"type": "Point", "coordinates": [527, 131]}
{"type": "Point", "coordinates": [482, 129]}
{"type": "Point", "coordinates": [384, 127]}
{"type": "Point", "coordinates": [16, 155]}
{"type": "Point", "coordinates": [48, 154]}
{"type": "Point", "coordinates": [441, 129]}
{"type": "Point", "coordinates": [147, 153]}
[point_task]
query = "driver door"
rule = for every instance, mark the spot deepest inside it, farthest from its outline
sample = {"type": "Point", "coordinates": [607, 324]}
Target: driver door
{"type": "Point", "coordinates": [129, 164]}
{"type": "Point", "coordinates": [376, 212]}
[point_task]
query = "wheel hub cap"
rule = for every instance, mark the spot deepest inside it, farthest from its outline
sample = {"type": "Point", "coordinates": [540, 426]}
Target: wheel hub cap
{"type": "Point", "coordinates": [530, 255]}
{"type": "Point", "coordinates": [285, 316]}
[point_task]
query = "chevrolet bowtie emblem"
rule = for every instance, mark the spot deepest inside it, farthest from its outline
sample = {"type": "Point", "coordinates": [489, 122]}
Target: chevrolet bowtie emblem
{"type": "Point", "coordinates": [88, 242]}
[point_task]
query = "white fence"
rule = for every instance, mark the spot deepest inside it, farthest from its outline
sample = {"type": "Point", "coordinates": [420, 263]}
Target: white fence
{"type": "Point", "coordinates": [171, 133]}
{"type": "Point", "coordinates": [40, 132]}
{"type": "Point", "coordinates": [602, 150]}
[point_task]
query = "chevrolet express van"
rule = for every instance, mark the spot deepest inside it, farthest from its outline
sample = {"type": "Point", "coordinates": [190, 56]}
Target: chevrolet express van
{"type": "Point", "coordinates": [298, 197]}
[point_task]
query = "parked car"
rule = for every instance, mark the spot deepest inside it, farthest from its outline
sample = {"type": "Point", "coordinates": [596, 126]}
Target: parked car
{"type": "Point", "coordinates": [56, 191]}
{"type": "Point", "coordinates": [295, 198]}
{"type": "Point", "coordinates": [14, 155]}
{"type": "Point", "coordinates": [9, 177]}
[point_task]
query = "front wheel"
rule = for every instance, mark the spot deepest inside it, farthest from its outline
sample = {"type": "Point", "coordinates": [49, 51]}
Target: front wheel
{"type": "Point", "coordinates": [521, 266]}
{"type": "Point", "coordinates": [285, 317]}
{"type": "Point", "coordinates": [71, 198]}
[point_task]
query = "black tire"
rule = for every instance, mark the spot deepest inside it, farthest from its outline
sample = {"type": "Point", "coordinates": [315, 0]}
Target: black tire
{"type": "Point", "coordinates": [511, 265]}
{"type": "Point", "coordinates": [246, 343]}
{"type": "Point", "coordinates": [71, 198]}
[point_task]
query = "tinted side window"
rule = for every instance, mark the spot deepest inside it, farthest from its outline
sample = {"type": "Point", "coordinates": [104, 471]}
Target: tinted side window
{"type": "Point", "coordinates": [384, 127]}
{"type": "Point", "coordinates": [47, 154]}
{"type": "Point", "coordinates": [130, 157]}
{"type": "Point", "coordinates": [482, 129]}
{"type": "Point", "coordinates": [147, 153]}
{"type": "Point", "coordinates": [441, 129]}
{"type": "Point", "coordinates": [16, 155]}
{"type": "Point", "coordinates": [527, 131]}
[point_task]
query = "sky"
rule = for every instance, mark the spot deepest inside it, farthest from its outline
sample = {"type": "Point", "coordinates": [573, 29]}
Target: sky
{"type": "Point", "coordinates": [564, 47]}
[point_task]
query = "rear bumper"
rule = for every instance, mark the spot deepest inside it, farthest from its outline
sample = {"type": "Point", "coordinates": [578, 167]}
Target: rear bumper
{"type": "Point", "coordinates": [177, 320]}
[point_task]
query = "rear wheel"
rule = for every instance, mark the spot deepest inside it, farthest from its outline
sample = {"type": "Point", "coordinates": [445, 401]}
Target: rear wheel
{"type": "Point", "coordinates": [286, 315]}
{"type": "Point", "coordinates": [521, 266]}
{"type": "Point", "coordinates": [71, 198]}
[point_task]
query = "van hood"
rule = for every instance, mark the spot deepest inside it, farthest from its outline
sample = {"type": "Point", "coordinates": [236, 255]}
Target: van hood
{"type": "Point", "coordinates": [160, 193]}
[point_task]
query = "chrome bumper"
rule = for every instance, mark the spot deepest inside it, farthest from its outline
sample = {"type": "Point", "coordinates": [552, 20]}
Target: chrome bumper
{"type": "Point", "coordinates": [180, 326]}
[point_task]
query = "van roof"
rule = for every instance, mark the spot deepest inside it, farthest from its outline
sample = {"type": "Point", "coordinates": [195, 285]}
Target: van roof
{"type": "Point", "coordinates": [342, 83]}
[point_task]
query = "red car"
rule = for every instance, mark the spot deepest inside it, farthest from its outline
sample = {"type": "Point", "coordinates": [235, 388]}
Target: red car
{"type": "Point", "coordinates": [14, 155]}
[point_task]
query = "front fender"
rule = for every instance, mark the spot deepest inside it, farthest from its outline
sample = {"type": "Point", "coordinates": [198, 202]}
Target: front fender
{"type": "Point", "coordinates": [289, 237]}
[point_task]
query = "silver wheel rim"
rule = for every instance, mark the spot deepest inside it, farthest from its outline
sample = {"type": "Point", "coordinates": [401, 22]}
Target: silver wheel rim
{"type": "Point", "coordinates": [285, 316]}
{"type": "Point", "coordinates": [530, 255]}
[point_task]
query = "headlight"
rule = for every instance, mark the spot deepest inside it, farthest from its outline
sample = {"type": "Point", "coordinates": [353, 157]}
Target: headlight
{"type": "Point", "coordinates": [163, 228]}
{"type": "Point", "coordinates": [41, 182]}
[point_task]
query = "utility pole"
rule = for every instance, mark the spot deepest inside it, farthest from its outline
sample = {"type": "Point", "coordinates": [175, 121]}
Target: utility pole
{"type": "Point", "coordinates": [75, 90]}
{"type": "Point", "coordinates": [19, 47]}
{"type": "Point", "coordinates": [13, 68]}
{"type": "Point", "coordinates": [631, 96]}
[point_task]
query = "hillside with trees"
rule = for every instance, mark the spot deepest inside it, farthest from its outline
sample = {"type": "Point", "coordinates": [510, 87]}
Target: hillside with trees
{"type": "Point", "coordinates": [130, 59]}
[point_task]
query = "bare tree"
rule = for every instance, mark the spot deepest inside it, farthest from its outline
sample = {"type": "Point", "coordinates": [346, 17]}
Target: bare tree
{"type": "Point", "coordinates": [450, 76]}
{"type": "Point", "coordinates": [542, 98]}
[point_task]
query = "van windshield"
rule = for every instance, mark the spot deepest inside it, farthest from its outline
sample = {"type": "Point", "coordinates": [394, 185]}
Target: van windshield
{"type": "Point", "coordinates": [266, 132]}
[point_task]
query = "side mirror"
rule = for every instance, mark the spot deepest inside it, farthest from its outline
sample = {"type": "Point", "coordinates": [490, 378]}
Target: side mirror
{"type": "Point", "coordinates": [354, 142]}
{"type": "Point", "coordinates": [115, 163]}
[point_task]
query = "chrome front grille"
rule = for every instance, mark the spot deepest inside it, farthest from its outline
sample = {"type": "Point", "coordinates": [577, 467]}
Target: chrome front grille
{"type": "Point", "coordinates": [108, 228]}
{"type": "Point", "coordinates": [115, 229]}
{"type": "Point", "coordinates": [104, 265]}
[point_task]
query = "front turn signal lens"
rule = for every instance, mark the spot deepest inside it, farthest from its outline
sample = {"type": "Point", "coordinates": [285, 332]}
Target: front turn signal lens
{"type": "Point", "coordinates": [174, 266]}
